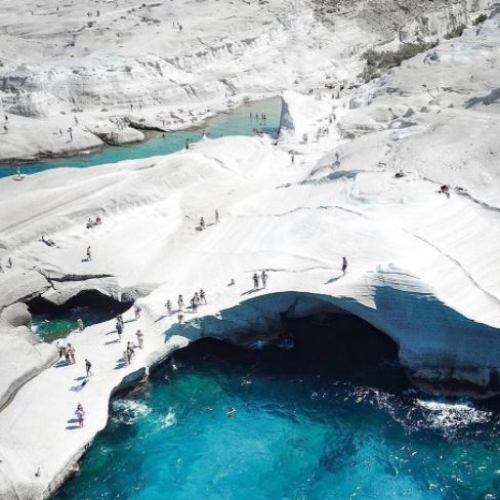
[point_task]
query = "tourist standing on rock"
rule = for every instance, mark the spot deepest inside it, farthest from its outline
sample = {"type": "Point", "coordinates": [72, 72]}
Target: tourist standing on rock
{"type": "Point", "coordinates": [168, 305]}
{"type": "Point", "coordinates": [140, 338]}
{"type": "Point", "coordinates": [119, 330]}
{"type": "Point", "coordinates": [130, 352]}
{"type": "Point", "coordinates": [180, 302]}
{"type": "Point", "coordinates": [62, 350]}
{"type": "Point", "coordinates": [203, 297]}
{"type": "Point", "coordinates": [81, 326]}
{"type": "Point", "coordinates": [67, 354]}
{"type": "Point", "coordinates": [80, 414]}
{"type": "Point", "coordinates": [194, 305]}
{"type": "Point", "coordinates": [445, 189]}
{"type": "Point", "coordinates": [89, 254]}
{"type": "Point", "coordinates": [119, 319]}
{"type": "Point", "coordinates": [255, 281]}
{"type": "Point", "coordinates": [70, 132]}
{"type": "Point", "coordinates": [202, 224]}
{"type": "Point", "coordinates": [88, 366]}
{"type": "Point", "coordinates": [216, 216]}
{"type": "Point", "coordinates": [264, 277]}
{"type": "Point", "coordinates": [344, 265]}
{"type": "Point", "coordinates": [71, 354]}
{"type": "Point", "coordinates": [137, 312]}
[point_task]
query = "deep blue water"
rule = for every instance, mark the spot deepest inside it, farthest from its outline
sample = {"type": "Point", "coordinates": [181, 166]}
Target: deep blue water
{"type": "Point", "coordinates": [326, 420]}
{"type": "Point", "coordinates": [237, 122]}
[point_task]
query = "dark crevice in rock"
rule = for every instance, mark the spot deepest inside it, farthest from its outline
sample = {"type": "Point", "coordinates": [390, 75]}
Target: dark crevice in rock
{"type": "Point", "coordinates": [91, 299]}
{"type": "Point", "coordinates": [75, 277]}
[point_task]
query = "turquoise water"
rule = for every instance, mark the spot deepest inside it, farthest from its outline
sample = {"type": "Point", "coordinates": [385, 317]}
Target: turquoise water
{"type": "Point", "coordinates": [237, 122]}
{"type": "Point", "coordinates": [50, 322]}
{"type": "Point", "coordinates": [50, 327]}
{"type": "Point", "coordinates": [317, 422]}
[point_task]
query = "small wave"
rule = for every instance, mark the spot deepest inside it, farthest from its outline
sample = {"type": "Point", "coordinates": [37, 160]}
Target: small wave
{"type": "Point", "coordinates": [447, 418]}
{"type": "Point", "coordinates": [442, 415]}
{"type": "Point", "coordinates": [168, 420]}
{"type": "Point", "coordinates": [128, 411]}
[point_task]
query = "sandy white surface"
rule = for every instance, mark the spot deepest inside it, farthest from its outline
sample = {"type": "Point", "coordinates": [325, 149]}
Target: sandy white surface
{"type": "Point", "coordinates": [423, 268]}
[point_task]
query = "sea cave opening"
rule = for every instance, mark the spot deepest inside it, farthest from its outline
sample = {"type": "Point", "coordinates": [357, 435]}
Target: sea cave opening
{"type": "Point", "coordinates": [51, 321]}
{"type": "Point", "coordinates": [322, 419]}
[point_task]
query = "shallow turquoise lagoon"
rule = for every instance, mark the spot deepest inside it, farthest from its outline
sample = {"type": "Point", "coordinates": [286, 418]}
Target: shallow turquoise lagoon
{"type": "Point", "coordinates": [236, 122]}
{"type": "Point", "coordinates": [322, 421]}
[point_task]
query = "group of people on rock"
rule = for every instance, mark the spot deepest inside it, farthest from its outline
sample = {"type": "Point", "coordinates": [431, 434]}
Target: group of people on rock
{"type": "Point", "coordinates": [262, 116]}
{"type": "Point", "coordinates": [93, 222]}
{"type": "Point", "coordinates": [322, 132]}
{"type": "Point", "coordinates": [67, 352]}
{"type": "Point", "coordinates": [197, 299]}
{"type": "Point", "coordinates": [256, 280]}
{"type": "Point", "coordinates": [203, 225]}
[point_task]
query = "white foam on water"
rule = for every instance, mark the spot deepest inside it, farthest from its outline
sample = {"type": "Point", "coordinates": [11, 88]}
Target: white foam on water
{"type": "Point", "coordinates": [168, 420]}
{"type": "Point", "coordinates": [128, 411]}
{"type": "Point", "coordinates": [442, 415]}
{"type": "Point", "coordinates": [446, 417]}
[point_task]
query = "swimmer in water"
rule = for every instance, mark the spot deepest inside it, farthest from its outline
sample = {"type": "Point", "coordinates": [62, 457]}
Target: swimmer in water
{"type": "Point", "coordinates": [231, 411]}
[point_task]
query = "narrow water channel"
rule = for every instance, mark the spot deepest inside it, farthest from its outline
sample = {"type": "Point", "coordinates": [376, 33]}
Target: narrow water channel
{"type": "Point", "coordinates": [236, 122]}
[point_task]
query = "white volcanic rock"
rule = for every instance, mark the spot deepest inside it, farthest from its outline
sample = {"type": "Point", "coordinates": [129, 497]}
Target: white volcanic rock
{"type": "Point", "coordinates": [25, 357]}
{"type": "Point", "coordinates": [422, 268]}
{"type": "Point", "coordinates": [128, 58]}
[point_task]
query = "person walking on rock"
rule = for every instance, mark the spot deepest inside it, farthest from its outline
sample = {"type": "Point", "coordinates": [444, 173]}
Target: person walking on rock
{"type": "Point", "coordinates": [119, 319]}
{"type": "Point", "coordinates": [203, 297]}
{"type": "Point", "coordinates": [202, 224]}
{"type": "Point", "coordinates": [130, 352]}
{"type": "Point", "coordinates": [194, 305]}
{"type": "Point", "coordinates": [89, 254]}
{"type": "Point", "coordinates": [264, 277]}
{"type": "Point", "coordinates": [140, 338]}
{"type": "Point", "coordinates": [70, 354]}
{"type": "Point", "coordinates": [81, 326]}
{"type": "Point", "coordinates": [255, 281]}
{"type": "Point", "coordinates": [344, 265]}
{"type": "Point", "coordinates": [80, 415]}
{"type": "Point", "coordinates": [67, 354]}
{"type": "Point", "coordinates": [180, 302]}
{"type": "Point", "coordinates": [62, 350]}
{"type": "Point", "coordinates": [216, 216]}
{"type": "Point", "coordinates": [137, 312]}
{"type": "Point", "coordinates": [88, 366]}
{"type": "Point", "coordinates": [119, 330]}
